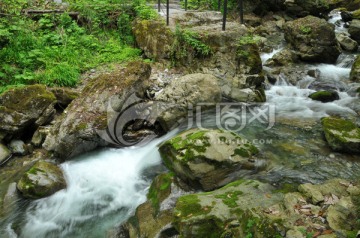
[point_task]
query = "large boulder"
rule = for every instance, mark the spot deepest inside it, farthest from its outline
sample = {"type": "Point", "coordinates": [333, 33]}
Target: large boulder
{"type": "Point", "coordinates": [154, 38]}
{"type": "Point", "coordinates": [208, 159]}
{"type": "Point", "coordinates": [23, 109]}
{"type": "Point", "coordinates": [355, 70]}
{"type": "Point", "coordinates": [185, 92]}
{"type": "Point", "coordinates": [42, 180]}
{"type": "Point", "coordinates": [77, 131]}
{"type": "Point", "coordinates": [354, 30]}
{"type": "Point", "coordinates": [249, 208]}
{"type": "Point", "coordinates": [341, 135]}
{"type": "Point", "coordinates": [313, 39]}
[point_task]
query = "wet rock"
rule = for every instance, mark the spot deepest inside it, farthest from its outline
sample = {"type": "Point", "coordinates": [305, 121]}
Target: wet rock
{"type": "Point", "coordinates": [10, 198]}
{"type": "Point", "coordinates": [313, 39]}
{"type": "Point", "coordinates": [25, 108]}
{"type": "Point", "coordinates": [18, 147]}
{"type": "Point", "coordinates": [311, 192]}
{"type": "Point", "coordinates": [346, 16]}
{"type": "Point", "coordinates": [282, 58]}
{"type": "Point", "coordinates": [42, 180]}
{"type": "Point", "coordinates": [78, 129]}
{"type": "Point", "coordinates": [64, 96]}
{"type": "Point", "coordinates": [346, 42]}
{"type": "Point", "coordinates": [315, 73]}
{"type": "Point", "coordinates": [341, 135]}
{"type": "Point", "coordinates": [354, 30]}
{"type": "Point", "coordinates": [356, 14]}
{"type": "Point", "coordinates": [208, 159]}
{"type": "Point", "coordinates": [5, 154]}
{"type": "Point", "coordinates": [324, 96]}
{"type": "Point", "coordinates": [187, 91]}
{"type": "Point", "coordinates": [355, 70]}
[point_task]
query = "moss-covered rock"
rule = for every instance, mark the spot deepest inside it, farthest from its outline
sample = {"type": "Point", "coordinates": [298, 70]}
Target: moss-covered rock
{"type": "Point", "coordinates": [355, 70]}
{"type": "Point", "coordinates": [324, 96]}
{"type": "Point", "coordinates": [78, 129]}
{"type": "Point", "coordinates": [208, 159]}
{"type": "Point", "coordinates": [303, 8]}
{"type": "Point", "coordinates": [249, 208]}
{"type": "Point", "coordinates": [41, 180]}
{"type": "Point", "coordinates": [313, 39]}
{"type": "Point", "coordinates": [25, 108]}
{"type": "Point", "coordinates": [341, 135]}
{"type": "Point", "coordinates": [154, 38]}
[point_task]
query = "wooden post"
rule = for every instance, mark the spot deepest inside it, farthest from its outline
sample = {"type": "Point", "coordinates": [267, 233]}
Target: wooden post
{"type": "Point", "coordinates": [224, 17]}
{"type": "Point", "coordinates": [185, 5]}
{"type": "Point", "coordinates": [241, 12]}
{"type": "Point", "coordinates": [219, 5]}
{"type": "Point", "coordinates": [159, 5]}
{"type": "Point", "coordinates": [167, 12]}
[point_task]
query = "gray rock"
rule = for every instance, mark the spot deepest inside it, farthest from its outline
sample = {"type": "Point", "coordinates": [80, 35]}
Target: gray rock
{"type": "Point", "coordinates": [39, 136]}
{"type": "Point", "coordinates": [347, 43]}
{"type": "Point", "coordinates": [188, 91]}
{"type": "Point", "coordinates": [41, 180]}
{"type": "Point", "coordinates": [10, 198]}
{"type": "Point", "coordinates": [5, 154]}
{"type": "Point", "coordinates": [355, 70]}
{"type": "Point", "coordinates": [18, 147]}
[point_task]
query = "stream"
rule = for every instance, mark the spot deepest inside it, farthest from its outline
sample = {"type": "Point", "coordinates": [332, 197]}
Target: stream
{"type": "Point", "coordinates": [106, 186]}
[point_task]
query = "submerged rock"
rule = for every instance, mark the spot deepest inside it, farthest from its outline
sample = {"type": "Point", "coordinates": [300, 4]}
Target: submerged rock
{"type": "Point", "coordinates": [41, 180]}
{"type": "Point", "coordinates": [324, 96]}
{"type": "Point", "coordinates": [313, 39]}
{"type": "Point", "coordinates": [355, 70]}
{"type": "Point", "coordinates": [208, 159]}
{"type": "Point", "coordinates": [23, 109]}
{"type": "Point", "coordinates": [341, 135]}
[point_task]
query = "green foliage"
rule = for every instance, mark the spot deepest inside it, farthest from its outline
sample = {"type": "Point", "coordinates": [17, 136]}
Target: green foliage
{"type": "Point", "coordinates": [54, 49]}
{"type": "Point", "coordinates": [188, 44]}
{"type": "Point", "coordinates": [210, 5]}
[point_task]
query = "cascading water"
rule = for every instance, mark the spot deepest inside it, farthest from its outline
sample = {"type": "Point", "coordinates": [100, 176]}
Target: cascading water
{"type": "Point", "coordinates": [106, 185]}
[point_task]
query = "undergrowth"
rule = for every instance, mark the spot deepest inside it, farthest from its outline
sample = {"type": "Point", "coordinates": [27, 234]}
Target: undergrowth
{"type": "Point", "coordinates": [54, 49]}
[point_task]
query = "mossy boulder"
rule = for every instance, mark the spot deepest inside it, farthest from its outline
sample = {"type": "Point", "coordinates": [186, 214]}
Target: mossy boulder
{"type": "Point", "coordinates": [301, 8]}
{"type": "Point", "coordinates": [5, 154]}
{"type": "Point", "coordinates": [41, 180]}
{"type": "Point", "coordinates": [154, 38]}
{"type": "Point", "coordinates": [313, 39]}
{"type": "Point", "coordinates": [236, 210]}
{"type": "Point", "coordinates": [341, 135]}
{"type": "Point", "coordinates": [208, 159]}
{"type": "Point", "coordinates": [78, 129]}
{"type": "Point", "coordinates": [151, 219]}
{"type": "Point", "coordinates": [25, 108]}
{"type": "Point", "coordinates": [354, 30]}
{"type": "Point", "coordinates": [324, 96]}
{"type": "Point", "coordinates": [355, 70]}
{"type": "Point", "coordinates": [346, 42]}
{"type": "Point", "coordinates": [356, 14]}
{"type": "Point", "coordinates": [249, 208]}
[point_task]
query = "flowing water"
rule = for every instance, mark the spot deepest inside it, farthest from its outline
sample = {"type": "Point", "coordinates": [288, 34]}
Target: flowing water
{"type": "Point", "coordinates": [106, 186]}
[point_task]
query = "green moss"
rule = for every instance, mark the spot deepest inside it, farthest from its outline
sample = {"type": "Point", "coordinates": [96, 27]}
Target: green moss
{"type": "Point", "coordinates": [305, 29]}
{"type": "Point", "coordinates": [242, 152]}
{"type": "Point", "coordinates": [235, 183]}
{"type": "Point", "coordinates": [346, 127]}
{"type": "Point", "coordinates": [287, 188]}
{"type": "Point", "coordinates": [230, 198]}
{"type": "Point", "coordinates": [81, 126]}
{"type": "Point", "coordinates": [354, 73]}
{"type": "Point", "coordinates": [34, 170]}
{"type": "Point", "coordinates": [189, 205]}
{"type": "Point", "coordinates": [159, 190]}
{"type": "Point", "coordinates": [356, 14]}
